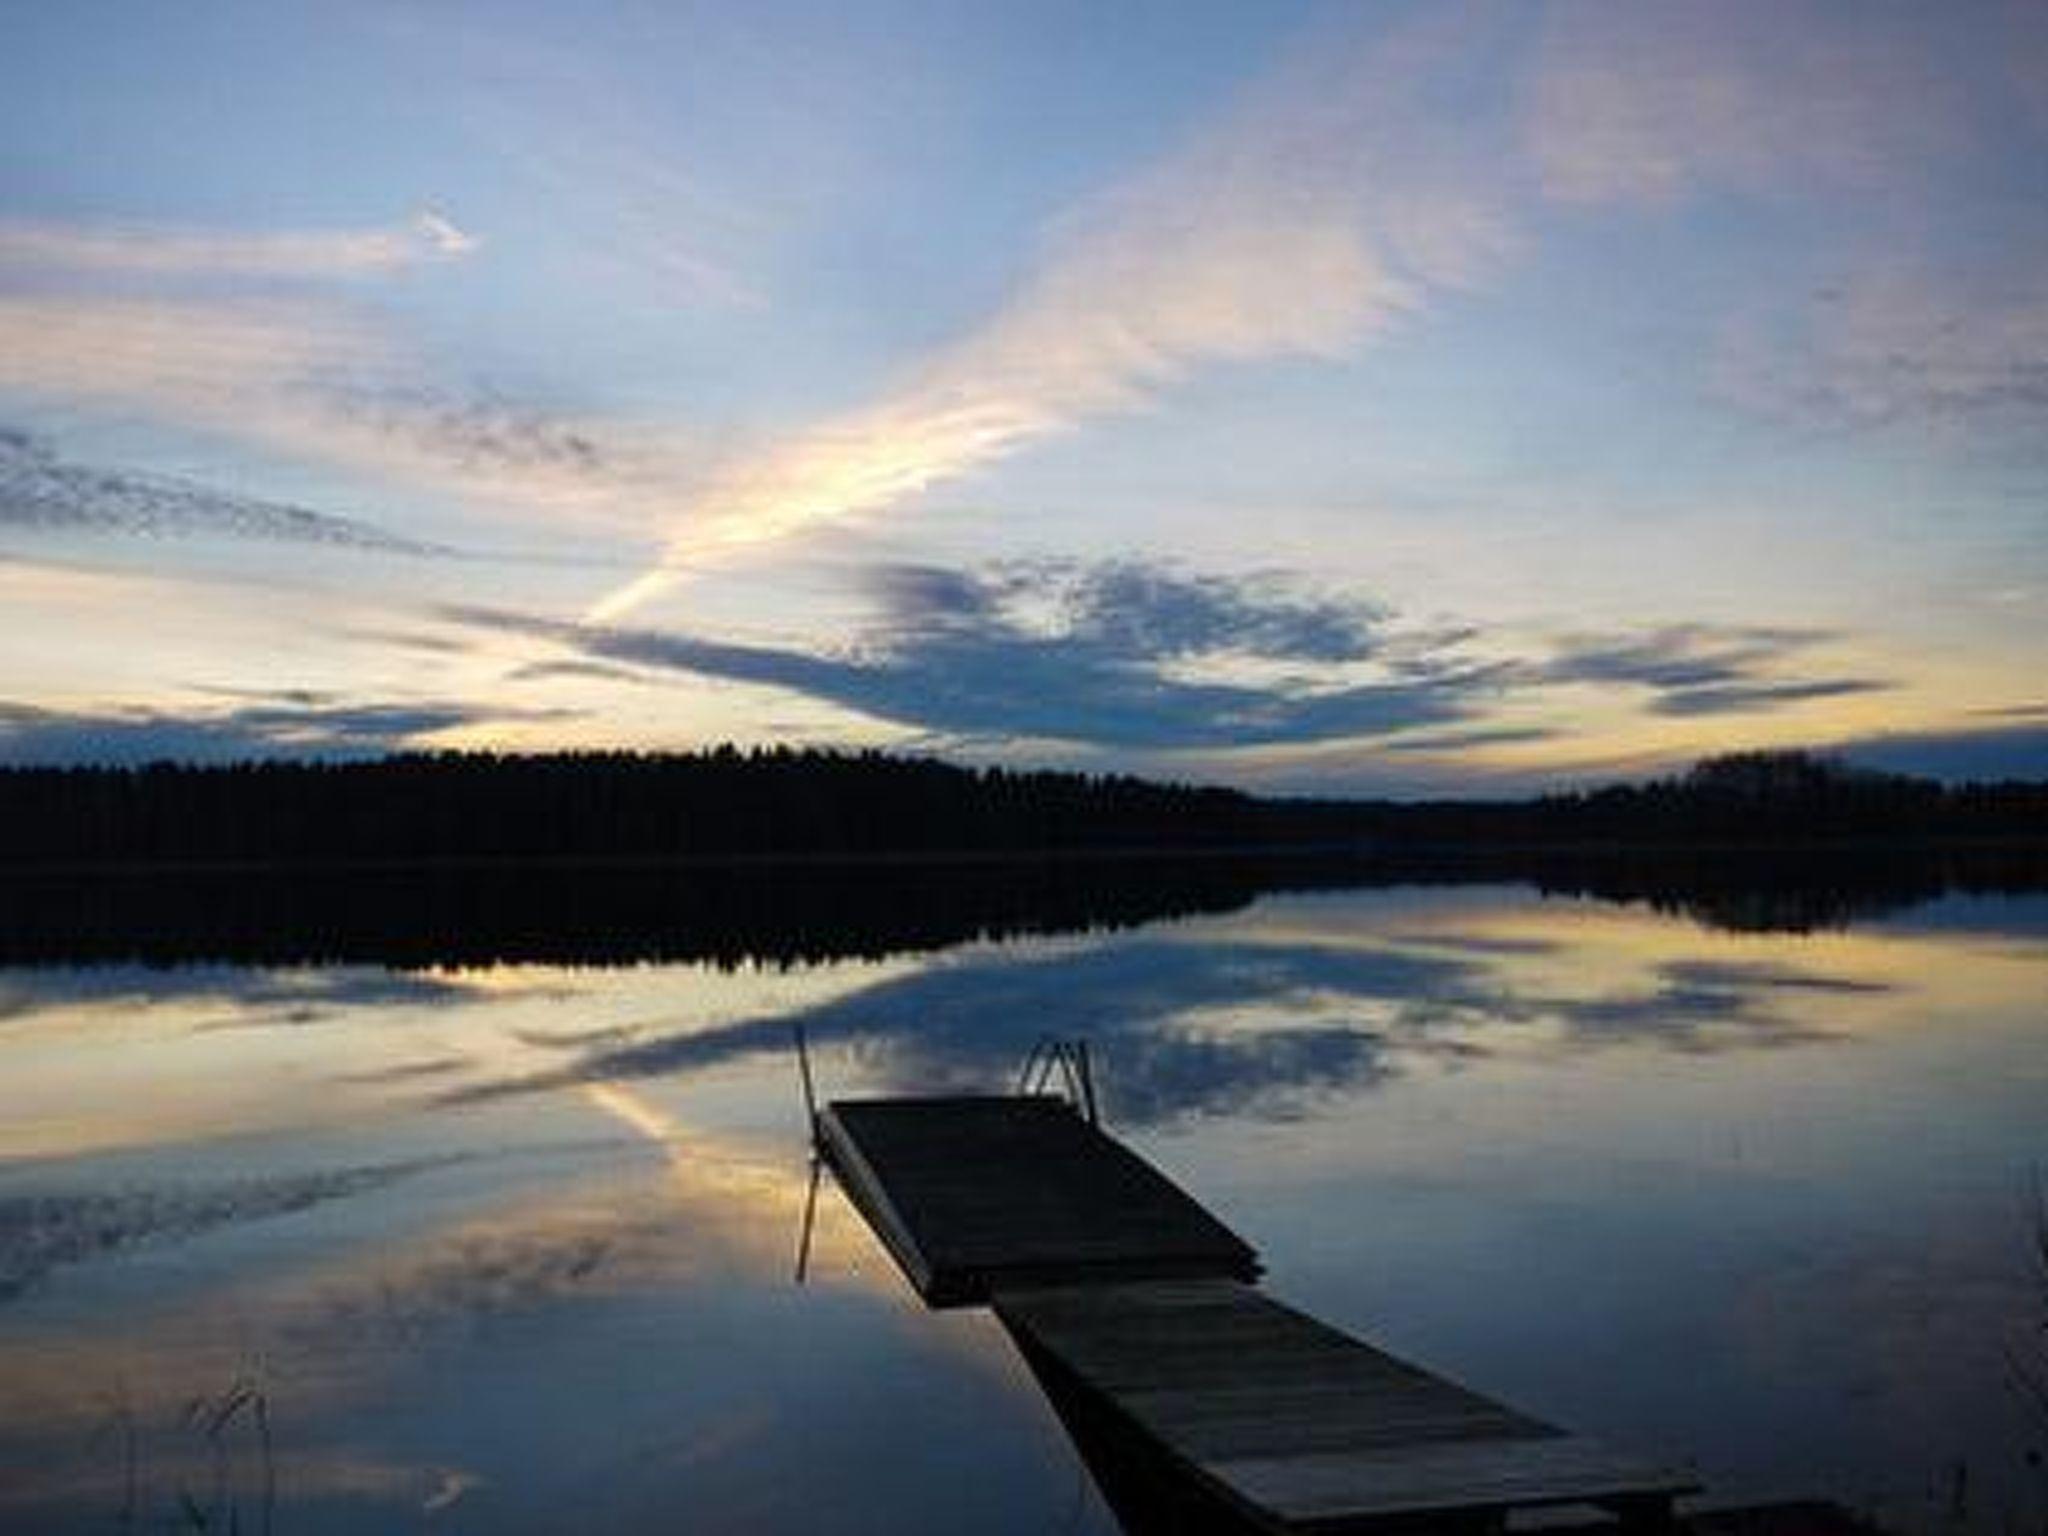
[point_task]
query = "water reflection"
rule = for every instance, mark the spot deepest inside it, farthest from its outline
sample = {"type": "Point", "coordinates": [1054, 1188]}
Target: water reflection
{"type": "Point", "coordinates": [41, 1233]}
{"type": "Point", "coordinates": [741, 913]}
{"type": "Point", "coordinates": [1240, 1023]}
{"type": "Point", "coordinates": [507, 1247]}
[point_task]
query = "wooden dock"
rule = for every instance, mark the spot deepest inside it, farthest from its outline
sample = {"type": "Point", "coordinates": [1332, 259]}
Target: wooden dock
{"type": "Point", "coordinates": [1118, 1287]}
{"type": "Point", "coordinates": [969, 1194]}
{"type": "Point", "coordinates": [1302, 1428]}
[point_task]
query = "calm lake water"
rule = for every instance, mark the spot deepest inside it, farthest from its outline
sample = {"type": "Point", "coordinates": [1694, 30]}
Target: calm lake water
{"type": "Point", "coordinates": [512, 1248]}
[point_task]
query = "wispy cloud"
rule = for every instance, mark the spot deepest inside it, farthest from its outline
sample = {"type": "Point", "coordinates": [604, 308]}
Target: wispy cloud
{"type": "Point", "coordinates": [293, 370]}
{"type": "Point", "coordinates": [1679, 656]}
{"type": "Point", "coordinates": [199, 362]}
{"type": "Point", "coordinates": [1355, 185]}
{"type": "Point", "coordinates": [41, 492]}
{"type": "Point", "coordinates": [1660, 101]}
{"type": "Point", "coordinates": [323, 381]}
{"type": "Point", "coordinates": [1899, 344]}
{"type": "Point", "coordinates": [1311, 218]}
{"type": "Point", "coordinates": [319, 728]}
{"type": "Point", "coordinates": [170, 250]}
{"type": "Point", "coordinates": [1465, 739]}
{"type": "Point", "coordinates": [592, 153]}
{"type": "Point", "coordinates": [1703, 669]}
{"type": "Point", "coordinates": [572, 669]}
{"type": "Point", "coordinates": [1661, 98]}
{"type": "Point", "coordinates": [1752, 697]}
{"type": "Point", "coordinates": [1375, 169]}
{"type": "Point", "coordinates": [480, 435]}
{"type": "Point", "coordinates": [652, 222]}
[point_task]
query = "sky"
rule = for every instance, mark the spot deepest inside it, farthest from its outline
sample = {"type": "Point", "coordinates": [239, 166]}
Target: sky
{"type": "Point", "coordinates": [1375, 398]}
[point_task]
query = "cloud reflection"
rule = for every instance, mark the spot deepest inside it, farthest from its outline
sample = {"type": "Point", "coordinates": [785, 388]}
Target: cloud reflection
{"type": "Point", "coordinates": [41, 1233]}
{"type": "Point", "coordinates": [1240, 1028]}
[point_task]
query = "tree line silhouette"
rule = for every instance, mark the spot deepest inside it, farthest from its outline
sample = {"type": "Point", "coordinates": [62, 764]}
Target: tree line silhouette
{"type": "Point", "coordinates": [796, 857]}
{"type": "Point", "coordinates": [598, 806]}
{"type": "Point", "coordinates": [1762, 798]}
{"type": "Point", "coordinates": [779, 803]}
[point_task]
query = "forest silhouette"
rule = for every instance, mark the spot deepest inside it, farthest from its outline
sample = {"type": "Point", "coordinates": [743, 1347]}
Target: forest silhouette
{"type": "Point", "coordinates": [783, 857]}
{"type": "Point", "coordinates": [779, 803]}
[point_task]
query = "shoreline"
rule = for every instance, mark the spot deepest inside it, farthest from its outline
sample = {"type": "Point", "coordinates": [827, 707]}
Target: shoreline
{"type": "Point", "coordinates": [1363, 853]}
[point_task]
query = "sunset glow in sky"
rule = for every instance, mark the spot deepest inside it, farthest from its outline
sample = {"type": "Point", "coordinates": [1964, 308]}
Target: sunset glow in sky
{"type": "Point", "coordinates": [1357, 397]}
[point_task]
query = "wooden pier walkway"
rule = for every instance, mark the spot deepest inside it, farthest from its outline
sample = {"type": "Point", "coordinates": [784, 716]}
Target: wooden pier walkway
{"type": "Point", "coordinates": [1303, 1428]}
{"type": "Point", "coordinates": [1116, 1284]}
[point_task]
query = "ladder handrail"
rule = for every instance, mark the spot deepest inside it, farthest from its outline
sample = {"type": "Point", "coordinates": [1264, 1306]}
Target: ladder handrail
{"type": "Point", "coordinates": [1072, 1061]}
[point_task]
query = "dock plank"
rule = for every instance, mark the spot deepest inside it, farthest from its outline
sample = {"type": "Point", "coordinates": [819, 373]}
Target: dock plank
{"type": "Point", "coordinates": [1304, 1427]}
{"type": "Point", "coordinates": [972, 1192]}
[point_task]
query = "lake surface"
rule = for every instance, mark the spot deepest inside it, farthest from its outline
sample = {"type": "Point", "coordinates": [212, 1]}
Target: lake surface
{"type": "Point", "coordinates": [512, 1247]}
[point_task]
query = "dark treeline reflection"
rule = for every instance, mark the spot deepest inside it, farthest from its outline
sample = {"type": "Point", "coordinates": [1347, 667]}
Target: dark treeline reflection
{"type": "Point", "coordinates": [801, 912]}
{"type": "Point", "coordinates": [777, 914]}
{"type": "Point", "coordinates": [1802, 890]}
